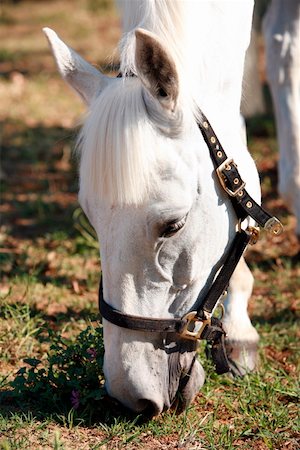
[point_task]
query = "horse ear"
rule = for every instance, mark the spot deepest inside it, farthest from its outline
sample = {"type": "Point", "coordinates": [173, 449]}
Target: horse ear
{"type": "Point", "coordinates": [79, 74]}
{"type": "Point", "coordinates": [156, 69]}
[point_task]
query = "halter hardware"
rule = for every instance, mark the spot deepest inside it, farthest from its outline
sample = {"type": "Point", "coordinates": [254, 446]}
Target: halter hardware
{"type": "Point", "coordinates": [226, 165]}
{"type": "Point", "coordinates": [274, 226]}
{"type": "Point", "coordinates": [254, 234]}
{"type": "Point", "coordinates": [191, 318]}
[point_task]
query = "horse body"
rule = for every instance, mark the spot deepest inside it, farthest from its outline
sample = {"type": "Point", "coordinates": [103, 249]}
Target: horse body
{"type": "Point", "coordinates": [282, 35]}
{"type": "Point", "coordinates": [147, 185]}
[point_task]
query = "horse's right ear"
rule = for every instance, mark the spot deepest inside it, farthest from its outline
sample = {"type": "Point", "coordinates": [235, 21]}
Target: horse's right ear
{"type": "Point", "coordinates": [79, 74]}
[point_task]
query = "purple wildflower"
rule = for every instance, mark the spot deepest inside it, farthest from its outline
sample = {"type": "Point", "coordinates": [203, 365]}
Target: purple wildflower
{"type": "Point", "coordinates": [75, 399]}
{"type": "Point", "coordinates": [92, 352]}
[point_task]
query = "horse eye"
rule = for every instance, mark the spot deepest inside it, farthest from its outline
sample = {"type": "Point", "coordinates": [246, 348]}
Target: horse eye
{"type": "Point", "coordinates": [162, 92]}
{"type": "Point", "coordinates": [172, 227]}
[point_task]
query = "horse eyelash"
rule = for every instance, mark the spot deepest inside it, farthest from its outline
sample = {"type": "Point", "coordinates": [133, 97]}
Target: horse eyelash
{"type": "Point", "coordinates": [173, 227]}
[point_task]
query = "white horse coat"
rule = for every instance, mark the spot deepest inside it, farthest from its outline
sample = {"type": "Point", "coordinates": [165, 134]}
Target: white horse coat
{"type": "Point", "coordinates": [145, 170]}
{"type": "Point", "coordinates": [282, 34]}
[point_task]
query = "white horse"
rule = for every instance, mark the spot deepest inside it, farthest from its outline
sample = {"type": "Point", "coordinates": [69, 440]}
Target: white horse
{"type": "Point", "coordinates": [282, 35]}
{"type": "Point", "coordinates": [148, 186]}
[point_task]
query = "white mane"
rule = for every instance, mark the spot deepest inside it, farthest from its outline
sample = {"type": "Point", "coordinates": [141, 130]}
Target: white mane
{"type": "Point", "coordinates": [118, 143]}
{"type": "Point", "coordinates": [200, 35]}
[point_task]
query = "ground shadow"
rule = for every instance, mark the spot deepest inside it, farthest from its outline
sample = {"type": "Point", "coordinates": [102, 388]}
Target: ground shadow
{"type": "Point", "coordinates": [281, 317]}
{"type": "Point", "coordinates": [268, 264]}
{"type": "Point", "coordinates": [107, 411]}
{"type": "Point", "coordinates": [39, 179]}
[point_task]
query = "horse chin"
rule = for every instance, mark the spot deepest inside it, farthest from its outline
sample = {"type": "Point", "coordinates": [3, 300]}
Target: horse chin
{"type": "Point", "coordinates": [186, 377]}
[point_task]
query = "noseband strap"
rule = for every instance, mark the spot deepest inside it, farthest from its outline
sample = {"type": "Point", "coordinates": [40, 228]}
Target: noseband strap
{"type": "Point", "coordinates": [199, 322]}
{"type": "Point", "coordinates": [138, 323]}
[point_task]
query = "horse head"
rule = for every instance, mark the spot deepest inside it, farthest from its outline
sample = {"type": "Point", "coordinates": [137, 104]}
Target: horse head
{"type": "Point", "coordinates": [148, 187]}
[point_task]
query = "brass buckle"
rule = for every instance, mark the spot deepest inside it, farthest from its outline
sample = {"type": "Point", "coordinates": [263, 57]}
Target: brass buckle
{"type": "Point", "coordinates": [274, 226]}
{"type": "Point", "coordinates": [191, 318]}
{"type": "Point", "coordinates": [226, 166]}
{"type": "Point", "coordinates": [254, 234]}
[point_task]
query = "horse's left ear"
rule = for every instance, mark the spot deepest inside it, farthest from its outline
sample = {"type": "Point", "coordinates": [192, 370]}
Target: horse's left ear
{"type": "Point", "coordinates": [156, 69]}
{"type": "Point", "coordinates": [79, 74]}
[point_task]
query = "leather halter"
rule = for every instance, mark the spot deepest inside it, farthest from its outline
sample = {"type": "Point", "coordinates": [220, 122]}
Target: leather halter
{"type": "Point", "coordinates": [199, 323]}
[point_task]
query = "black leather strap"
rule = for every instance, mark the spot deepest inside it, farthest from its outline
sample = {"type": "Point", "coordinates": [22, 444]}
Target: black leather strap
{"type": "Point", "coordinates": [221, 281]}
{"type": "Point", "coordinates": [219, 355]}
{"type": "Point", "coordinates": [233, 183]}
{"type": "Point", "coordinates": [131, 322]}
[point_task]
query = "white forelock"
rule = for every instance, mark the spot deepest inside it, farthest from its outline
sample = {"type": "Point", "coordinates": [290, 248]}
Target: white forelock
{"type": "Point", "coordinates": [120, 147]}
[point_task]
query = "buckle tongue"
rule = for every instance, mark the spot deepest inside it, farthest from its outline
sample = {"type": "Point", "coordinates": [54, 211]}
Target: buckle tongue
{"type": "Point", "coordinates": [194, 327]}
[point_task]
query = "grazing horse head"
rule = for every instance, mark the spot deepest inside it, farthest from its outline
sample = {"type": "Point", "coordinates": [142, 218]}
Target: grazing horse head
{"type": "Point", "coordinates": [148, 187]}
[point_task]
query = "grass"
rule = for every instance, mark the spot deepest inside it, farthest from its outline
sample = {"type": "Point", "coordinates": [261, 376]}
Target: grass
{"type": "Point", "coordinates": [49, 395]}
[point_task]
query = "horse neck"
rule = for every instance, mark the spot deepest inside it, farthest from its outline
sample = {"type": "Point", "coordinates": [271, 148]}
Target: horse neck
{"type": "Point", "coordinates": [207, 42]}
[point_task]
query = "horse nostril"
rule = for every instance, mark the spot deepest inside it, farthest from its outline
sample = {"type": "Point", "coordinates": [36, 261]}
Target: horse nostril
{"type": "Point", "coordinates": [148, 407]}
